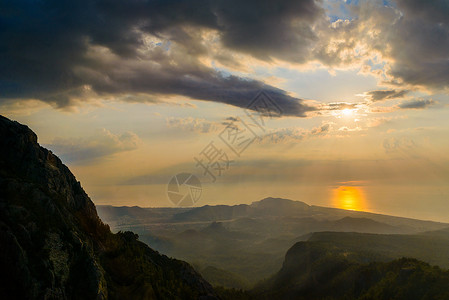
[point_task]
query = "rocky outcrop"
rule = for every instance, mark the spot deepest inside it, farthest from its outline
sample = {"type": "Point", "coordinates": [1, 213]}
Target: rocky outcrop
{"type": "Point", "coordinates": [54, 246]}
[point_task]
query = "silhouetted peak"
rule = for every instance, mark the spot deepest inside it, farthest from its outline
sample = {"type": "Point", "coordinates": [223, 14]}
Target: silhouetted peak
{"type": "Point", "coordinates": [277, 201]}
{"type": "Point", "coordinates": [54, 246]}
{"type": "Point", "coordinates": [279, 207]}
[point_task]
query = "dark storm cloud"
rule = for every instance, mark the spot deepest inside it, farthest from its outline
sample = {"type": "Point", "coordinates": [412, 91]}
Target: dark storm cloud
{"type": "Point", "coordinates": [419, 41]}
{"type": "Point", "coordinates": [417, 104]}
{"type": "Point", "coordinates": [267, 29]}
{"type": "Point", "coordinates": [435, 11]}
{"type": "Point", "coordinates": [57, 51]}
{"type": "Point", "coordinates": [381, 95]}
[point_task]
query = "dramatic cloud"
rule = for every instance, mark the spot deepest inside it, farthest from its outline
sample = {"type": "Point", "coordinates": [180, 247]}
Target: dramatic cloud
{"type": "Point", "coordinates": [381, 95]}
{"type": "Point", "coordinates": [60, 52]}
{"type": "Point", "coordinates": [417, 104]}
{"type": "Point", "coordinates": [419, 43]}
{"type": "Point", "coordinates": [87, 149]}
{"type": "Point", "coordinates": [403, 42]}
{"type": "Point", "coordinates": [265, 29]}
{"type": "Point", "coordinates": [65, 52]}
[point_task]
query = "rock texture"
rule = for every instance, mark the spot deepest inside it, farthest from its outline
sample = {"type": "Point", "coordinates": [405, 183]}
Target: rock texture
{"type": "Point", "coordinates": [54, 246]}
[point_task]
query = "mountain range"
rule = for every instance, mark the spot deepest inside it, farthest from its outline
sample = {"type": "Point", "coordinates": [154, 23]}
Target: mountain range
{"type": "Point", "coordinates": [250, 241]}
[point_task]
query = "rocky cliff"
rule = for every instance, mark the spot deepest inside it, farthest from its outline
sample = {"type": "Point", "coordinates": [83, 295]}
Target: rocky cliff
{"type": "Point", "coordinates": [54, 246]}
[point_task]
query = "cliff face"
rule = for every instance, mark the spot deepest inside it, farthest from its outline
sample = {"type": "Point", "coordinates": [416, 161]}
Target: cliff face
{"type": "Point", "coordinates": [54, 246]}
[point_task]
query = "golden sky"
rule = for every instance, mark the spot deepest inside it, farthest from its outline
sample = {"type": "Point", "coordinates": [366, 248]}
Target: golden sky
{"type": "Point", "coordinates": [362, 97]}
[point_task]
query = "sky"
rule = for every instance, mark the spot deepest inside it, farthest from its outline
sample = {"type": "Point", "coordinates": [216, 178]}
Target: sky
{"type": "Point", "coordinates": [334, 103]}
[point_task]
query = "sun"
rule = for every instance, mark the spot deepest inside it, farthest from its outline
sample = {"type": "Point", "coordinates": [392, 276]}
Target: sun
{"type": "Point", "coordinates": [347, 112]}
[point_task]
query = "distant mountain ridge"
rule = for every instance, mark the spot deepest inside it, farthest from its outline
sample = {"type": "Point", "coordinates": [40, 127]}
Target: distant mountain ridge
{"type": "Point", "coordinates": [250, 240]}
{"type": "Point", "coordinates": [54, 245]}
{"type": "Point", "coordinates": [268, 207]}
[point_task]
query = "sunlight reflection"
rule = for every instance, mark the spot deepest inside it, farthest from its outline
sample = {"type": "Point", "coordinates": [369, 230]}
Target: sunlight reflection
{"type": "Point", "coordinates": [349, 197]}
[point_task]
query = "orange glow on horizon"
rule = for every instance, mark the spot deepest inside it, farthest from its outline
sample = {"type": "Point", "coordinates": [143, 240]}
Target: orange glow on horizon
{"type": "Point", "coordinates": [349, 197]}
